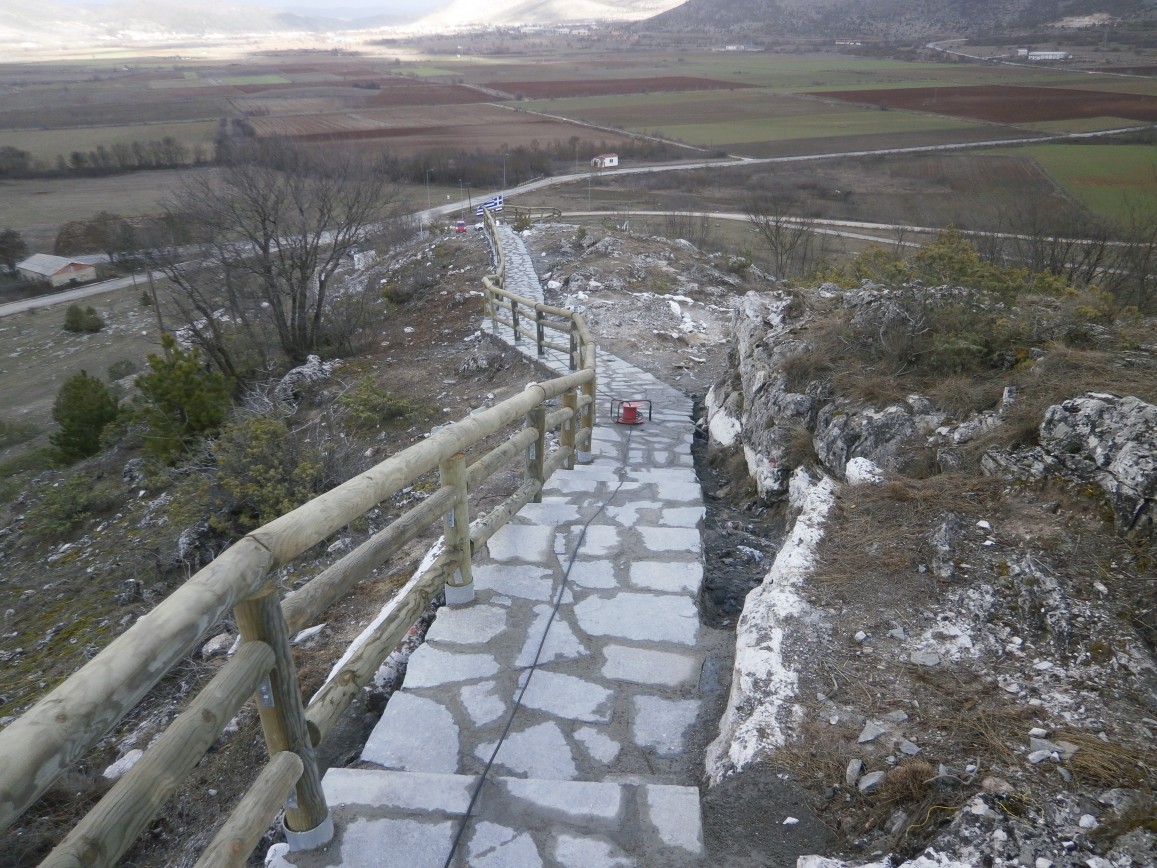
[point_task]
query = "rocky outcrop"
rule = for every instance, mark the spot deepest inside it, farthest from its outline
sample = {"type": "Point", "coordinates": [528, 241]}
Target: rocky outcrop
{"type": "Point", "coordinates": [777, 426]}
{"type": "Point", "coordinates": [290, 386]}
{"type": "Point", "coordinates": [1097, 439]}
{"type": "Point", "coordinates": [761, 706]}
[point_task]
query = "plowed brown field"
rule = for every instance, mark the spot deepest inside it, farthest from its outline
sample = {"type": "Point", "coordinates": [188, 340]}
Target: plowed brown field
{"type": "Point", "coordinates": [1007, 104]}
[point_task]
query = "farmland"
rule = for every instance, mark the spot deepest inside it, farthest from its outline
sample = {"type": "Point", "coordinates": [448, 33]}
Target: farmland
{"type": "Point", "coordinates": [1108, 178]}
{"type": "Point", "coordinates": [48, 145]}
{"type": "Point", "coordinates": [443, 112]}
{"type": "Point", "coordinates": [1005, 104]}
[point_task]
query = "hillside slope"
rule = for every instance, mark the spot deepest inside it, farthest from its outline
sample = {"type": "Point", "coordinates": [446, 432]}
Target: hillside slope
{"type": "Point", "coordinates": [889, 19]}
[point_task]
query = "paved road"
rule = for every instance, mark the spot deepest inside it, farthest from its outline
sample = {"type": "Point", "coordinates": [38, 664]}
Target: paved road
{"type": "Point", "coordinates": [440, 212]}
{"type": "Point", "coordinates": [71, 295]}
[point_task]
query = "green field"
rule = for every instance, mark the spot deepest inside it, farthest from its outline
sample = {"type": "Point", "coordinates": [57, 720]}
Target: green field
{"type": "Point", "coordinates": [46, 145]}
{"type": "Point", "coordinates": [791, 72]}
{"type": "Point", "coordinates": [270, 78]}
{"type": "Point", "coordinates": [709, 118]}
{"type": "Point", "coordinates": [828, 125]}
{"type": "Point", "coordinates": [1105, 177]}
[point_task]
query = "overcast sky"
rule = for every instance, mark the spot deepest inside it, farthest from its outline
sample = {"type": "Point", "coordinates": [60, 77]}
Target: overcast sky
{"type": "Point", "coordinates": [320, 7]}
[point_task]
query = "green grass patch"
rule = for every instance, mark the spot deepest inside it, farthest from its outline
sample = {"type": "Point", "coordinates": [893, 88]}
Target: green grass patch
{"type": "Point", "coordinates": [830, 125]}
{"type": "Point", "coordinates": [1081, 125]}
{"type": "Point", "coordinates": [48, 144]}
{"type": "Point", "coordinates": [1104, 177]}
{"type": "Point", "coordinates": [269, 78]}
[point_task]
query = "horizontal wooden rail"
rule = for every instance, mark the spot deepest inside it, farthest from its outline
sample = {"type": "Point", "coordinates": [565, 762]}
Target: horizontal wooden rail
{"type": "Point", "coordinates": [305, 605]}
{"type": "Point", "coordinates": [533, 335]}
{"type": "Point", "coordinates": [248, 822]}
{"type": "Point", "coordinates": [481, 530]}
{"type": "Point", "coordinates": [328, 704]}
{"type": "Point", "coordinates": [51, 736]}
{"type": "Point", "coordinates": [553, 420]}
{"type": "Point", "coordinates": [109, 829]}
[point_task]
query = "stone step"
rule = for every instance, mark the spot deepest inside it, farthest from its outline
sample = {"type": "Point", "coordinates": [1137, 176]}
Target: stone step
{"type": "Point", "coordinates": [392, 819]}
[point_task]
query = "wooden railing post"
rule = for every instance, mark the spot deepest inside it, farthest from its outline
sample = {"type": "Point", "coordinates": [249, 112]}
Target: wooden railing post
{"type": "Point", "coordinates": [566, 437]}
{"type": "Point", "coordinates": [535, 452]}
{"type": "Point", "coordinates": [574, 350]}
{"type": "Point", "coordinates": [588, 419]}
{"type": "Point", "coordinates": [456, 527]}
{"type": "Point", "coordinates": [492, 306]}
{"type": "Point", "coordinates": [539, 331]}
{"type": "Point", "coordinates": [514, 320]}
{"type": "Point", "coordinates": [308, 823]}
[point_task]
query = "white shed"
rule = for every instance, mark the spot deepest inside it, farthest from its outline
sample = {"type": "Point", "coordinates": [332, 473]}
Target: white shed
{"type": "Point", "coordinates": [605, 161]}
{"type": "Point", "coordinates": [55, 270]}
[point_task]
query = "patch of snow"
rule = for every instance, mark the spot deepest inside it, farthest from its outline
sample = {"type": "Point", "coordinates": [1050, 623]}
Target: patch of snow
{"type": "Point", "coordinates": [122, 765]}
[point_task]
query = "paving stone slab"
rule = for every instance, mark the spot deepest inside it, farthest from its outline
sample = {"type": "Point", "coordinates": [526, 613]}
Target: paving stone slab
{"type": "Point", "coordinates": [467, 625]}
{"type": "Point", "coordinates": [414, 734]}
{"type": "Point", "coordinates": [640, 617]}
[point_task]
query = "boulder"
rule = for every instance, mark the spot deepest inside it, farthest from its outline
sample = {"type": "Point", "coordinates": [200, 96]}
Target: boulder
{"type": "Point", "coordinates": [289, 388]}
{"type": "Point", "coordinates": [1101, 440]}
{"type": "Point", "coordinates": [1112, 442]}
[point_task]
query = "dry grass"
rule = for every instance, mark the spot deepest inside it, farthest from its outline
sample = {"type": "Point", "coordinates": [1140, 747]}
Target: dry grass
{"type": "Point", "coordinates": [909, 782]}
{"type": "Point", "coordinates": [878, 531]}
{"type": "Point", "coordinates": [800, 446]}
{"type": "Point", "coordinates": [960, 396]}
{"type": "Point", "coordinates": [827, 346]}
{"type": "Point", "coordinates": [1062, 374]}
{"type": "Point", "coordinates": [819, 755]}
{"type": "Point", "coordinates": [1106, 764]}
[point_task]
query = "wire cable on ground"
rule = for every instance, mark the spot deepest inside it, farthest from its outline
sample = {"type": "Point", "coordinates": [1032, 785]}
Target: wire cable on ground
{"type": "Point", "coordinates": [532, 668]}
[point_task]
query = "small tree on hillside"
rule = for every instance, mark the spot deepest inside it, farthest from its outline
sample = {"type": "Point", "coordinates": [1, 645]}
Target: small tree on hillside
{"type": "Point", "coordinates": [12, 248]}
{"type": "Point", "coordinates": [180, 400]}
{"type": "Point", "coordinates": [83, 408]}
{"type": "Point", "coordinates": [84, 320]}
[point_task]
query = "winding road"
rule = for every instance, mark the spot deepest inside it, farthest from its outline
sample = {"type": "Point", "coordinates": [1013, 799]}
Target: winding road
{"type": "Point", "coordinates": [429, 215]}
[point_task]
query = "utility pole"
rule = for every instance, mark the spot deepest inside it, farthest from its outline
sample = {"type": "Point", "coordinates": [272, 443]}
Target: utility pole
{"type": "Point", "coordinates": [427, 188]}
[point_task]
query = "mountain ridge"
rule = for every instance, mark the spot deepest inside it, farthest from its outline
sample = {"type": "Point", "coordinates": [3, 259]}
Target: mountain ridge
{"type": "Point", "coordinates": [890, 19]}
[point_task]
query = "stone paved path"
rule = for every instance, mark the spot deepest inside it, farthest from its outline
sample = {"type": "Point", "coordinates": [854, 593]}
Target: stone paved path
{"type": "Point", "coordinates": [594, 769]}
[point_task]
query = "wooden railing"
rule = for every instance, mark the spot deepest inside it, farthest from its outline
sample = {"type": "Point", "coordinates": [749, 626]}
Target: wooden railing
{"type": "Point", "coordinates": [61, 728]}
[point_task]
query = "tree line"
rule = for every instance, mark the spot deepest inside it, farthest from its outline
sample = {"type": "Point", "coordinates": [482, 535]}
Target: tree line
{"type": "Point", "coordinates": [163, 153]}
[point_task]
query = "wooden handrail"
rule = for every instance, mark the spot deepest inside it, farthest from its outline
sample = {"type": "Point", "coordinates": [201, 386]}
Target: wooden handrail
{"type": "Point", "coordinates": [63, 726]}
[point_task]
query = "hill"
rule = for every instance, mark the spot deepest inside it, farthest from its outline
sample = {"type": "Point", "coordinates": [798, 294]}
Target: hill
{"type": "Point", "coordinates": [881, 19]}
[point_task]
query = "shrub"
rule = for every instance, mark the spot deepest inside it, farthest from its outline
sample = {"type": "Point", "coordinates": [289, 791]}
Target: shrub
{"type": "Point", "coordinates": [180, 400]}
{"type": "Point", "coordinates": [84, 407]}
{"type": "Point", "coordinates": [739, 264]}
{"type": "Point", "coordinates": [12, 433]}
{"type": "Point", "coordinates": [68, 504]}
{"type": "Point", "coordinates": [122, 368]}
{"type": "Point", "coordinates": [368, 406]}
{"type": "Point", "coordinates": [265, 470]}
{"type": "Point", "coordinates": [82, 320]}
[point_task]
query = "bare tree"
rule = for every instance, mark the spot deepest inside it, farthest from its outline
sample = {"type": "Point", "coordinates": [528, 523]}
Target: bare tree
{"type": "Point", "coordinates": [792, 241]}
{"type": "Point", "coordinates": [1136, 261]}
{"type": "Point", "coordinates": [269, 234]}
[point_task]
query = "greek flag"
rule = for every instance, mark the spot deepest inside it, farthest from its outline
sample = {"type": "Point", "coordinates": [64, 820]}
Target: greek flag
{"type": "Point", "coordinates": [494, 204]}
